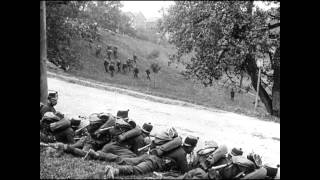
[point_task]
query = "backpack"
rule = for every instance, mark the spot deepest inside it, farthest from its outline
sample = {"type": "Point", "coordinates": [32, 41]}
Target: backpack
{"type": "Point", "coordinates": [165, 136]}
{"type": "Point", "coordinates": [202, 155]}
{"type": "Point", "coordinates": [97, 120]}
{"type": "Point", "coordinates": [239, 166]}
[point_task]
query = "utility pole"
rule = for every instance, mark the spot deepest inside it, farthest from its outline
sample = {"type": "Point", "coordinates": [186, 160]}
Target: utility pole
{"type": "Point", "coordinates": [259, 64]}
{"type": "Point", "coordinates": [43, 54]}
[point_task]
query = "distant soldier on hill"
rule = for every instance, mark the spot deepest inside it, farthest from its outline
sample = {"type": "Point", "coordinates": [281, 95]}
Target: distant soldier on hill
{"type": "Point", "coordinates": [112, 68]}
{"type": "Point", "coordinates": [119, 65]}
{"type": "Point", "coordinates": [98, 50]}
{"type": "Point", "coordinates": [106, 64]}
{"type": "Point", "coordinates": [232, 94]}
{"type": "Point", "coordinates": [115, 52]}
{"type": "Point", "coordinates": [129, 64]}
{"type": "Point", "coordinates": [135, 72]}
{"type": "Point", "coordinates": [148, 74]}
{"type": "Point", "coordinates": [124, 67]}
{"type": "Point", "coordinates": [109, 52]}
{"type": "Point", "coordinates": [134, 58]}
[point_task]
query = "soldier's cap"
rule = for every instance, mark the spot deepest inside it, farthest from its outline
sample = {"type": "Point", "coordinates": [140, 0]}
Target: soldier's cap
{"type": "Point", "coordinates": [131, 122]}
{"type": "Point", "coordinates": [191, 141]}
{"type": "Point", "coordinates": [147, 128]}
{"type": "Point", "coordinates": [236, 152]}
{"type": "Point", "coordinates": [123, 114]}
{"type": "Point", "coordinates": [53, 95]}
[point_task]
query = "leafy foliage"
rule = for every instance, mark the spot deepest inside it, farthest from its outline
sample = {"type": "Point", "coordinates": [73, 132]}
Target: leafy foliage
{"type": "Point", "coordinates": [72, 20]}
{"type": "Point", "coordinates": [154, 54]}
{"type": "Point", "coordinates": [226, 38]}
{"type": "Point", "coordinates": [63, 25]}
{"type": "Point", "coordinates": [155, 67]}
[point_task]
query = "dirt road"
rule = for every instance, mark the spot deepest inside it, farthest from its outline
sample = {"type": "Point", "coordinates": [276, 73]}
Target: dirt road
{"type": "Point", "coordinates": [224, 127]}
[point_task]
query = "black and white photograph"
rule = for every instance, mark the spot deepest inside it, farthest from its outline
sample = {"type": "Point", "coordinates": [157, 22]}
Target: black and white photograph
{"type": "Point", "coordinates": [160, 90]}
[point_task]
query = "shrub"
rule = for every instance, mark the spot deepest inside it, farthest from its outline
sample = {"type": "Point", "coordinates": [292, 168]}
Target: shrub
{"type": "Point", "coordinates": [154, 54]}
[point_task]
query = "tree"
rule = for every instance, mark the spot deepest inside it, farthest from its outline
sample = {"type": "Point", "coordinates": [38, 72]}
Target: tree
{"type": "Point", "coordinates": [43, 54]}
{"type": "Point", "coordinates": [67, 21]}
{"type": "Point", "coordinates": [155, 69]}
{"type": "Point", "coordinates": [226, 38]}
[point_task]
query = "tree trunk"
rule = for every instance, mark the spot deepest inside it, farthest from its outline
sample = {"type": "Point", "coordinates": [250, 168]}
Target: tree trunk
{"type": "Point", "coordinates": [276, 84]}
{"type": "Point", "coordinates": [241, 78]}
{"type": "Point", "coordinates": [252, 70]}
{"type": "Point", "coordinates": [43, 54]}
{"type": "Point", "coordinates": [154, 81]}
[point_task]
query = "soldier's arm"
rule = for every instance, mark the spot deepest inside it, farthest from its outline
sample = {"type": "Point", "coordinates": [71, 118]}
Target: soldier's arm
{"type": "Point", "coordinates": [180, 158]}
{"type": "Point", "coordinates": [130, 134]}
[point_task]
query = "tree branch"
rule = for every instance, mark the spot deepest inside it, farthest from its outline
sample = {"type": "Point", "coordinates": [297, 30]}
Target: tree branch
{"type": "Point", "coordinates": [273, 26]}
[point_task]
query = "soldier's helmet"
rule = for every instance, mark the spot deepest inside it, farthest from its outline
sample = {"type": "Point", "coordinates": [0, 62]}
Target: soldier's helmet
{"type": "Point", "coordinates": [147, 128]}
{"type": "Point", "coordinates": [191, 141]}
{"type": "Point", "coordinates": [236, 152]}
{"type": "Point", "coordinates": [122, 113]}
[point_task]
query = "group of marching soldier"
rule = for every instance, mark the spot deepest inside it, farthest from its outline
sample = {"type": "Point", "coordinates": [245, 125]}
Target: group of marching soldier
{"type": "Point", "coordinates": [113, 64]}
{"type": "Point", "coordinates": [118, 139]}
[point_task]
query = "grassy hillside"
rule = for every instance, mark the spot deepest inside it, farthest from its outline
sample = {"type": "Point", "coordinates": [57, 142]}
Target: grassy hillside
{"type": "Point", "coordinates": [169, 83]}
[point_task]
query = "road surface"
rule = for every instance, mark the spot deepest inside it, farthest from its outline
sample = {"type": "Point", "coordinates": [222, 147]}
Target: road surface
{"type": "Point", "coordinates": [227, 128]}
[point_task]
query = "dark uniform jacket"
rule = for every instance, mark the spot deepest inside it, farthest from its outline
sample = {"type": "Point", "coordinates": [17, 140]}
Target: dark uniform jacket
{"type": "Point", "coordinates": [180, 158]}
{"type": "Point", "coordinates": [46, 108]}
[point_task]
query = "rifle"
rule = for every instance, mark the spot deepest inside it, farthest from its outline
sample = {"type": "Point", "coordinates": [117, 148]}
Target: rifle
{"type": "Point", "coordinates": [104, 129]}
{"type": "Point", "coordinates": [144, 147]}
{"type": "Point", "coordinates": [87, 154]}
{"type": "Point", "coordinates": [221, 166]}
{"type": "Point", "coordinates": [53, 145]}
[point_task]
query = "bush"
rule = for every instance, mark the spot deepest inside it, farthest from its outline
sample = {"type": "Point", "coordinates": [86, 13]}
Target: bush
{"type": "Point", "coordinates": [154, 54]}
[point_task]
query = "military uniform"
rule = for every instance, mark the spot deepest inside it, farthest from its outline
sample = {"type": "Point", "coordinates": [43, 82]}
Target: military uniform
{"type": "Point", "coordinates": [49, 106]}
{"type": "Point", "coordinates": [112, 68]}
{"type": "Point", "coordinates": [106, 65]}
{"type": "Point", "coordinates": [115, 52]}
{"type": "Point", "coordinates": [135, 72]}
{"type": "Point", "coordinates": [109, 52]}
{"type": "Point", "coordinates": [137, 143]}
{"type": "Point", "coordinates": [175, 157]}
{"type": "Point", "coordinates": [236, 167]}
{"type": "Point", "coordinates": [148, 74]}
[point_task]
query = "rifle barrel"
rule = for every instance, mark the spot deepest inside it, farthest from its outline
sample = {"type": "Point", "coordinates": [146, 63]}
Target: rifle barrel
{"type": "Point", "coordinates": [220, 166]}
{"type": "Point", "coordinates": [144, 147]}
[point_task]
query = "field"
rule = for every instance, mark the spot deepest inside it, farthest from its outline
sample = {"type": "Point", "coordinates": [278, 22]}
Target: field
{"type": "Point", "coordinates": [169, 82]}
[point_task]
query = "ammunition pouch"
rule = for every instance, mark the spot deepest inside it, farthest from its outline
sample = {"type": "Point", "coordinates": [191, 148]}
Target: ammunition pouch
{"type": "Point", "coordinates": [173, 144]}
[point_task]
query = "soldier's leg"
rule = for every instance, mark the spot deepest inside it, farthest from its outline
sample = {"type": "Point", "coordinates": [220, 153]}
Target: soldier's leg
{"type": "Point", "coordinates": [150, 164]}
{"type": "Point", "coordinates": [197, 173]}
{"type": "Point", "coordinates": [75, 151]}
{"type": "Point", "coordinates": [66, 136]}
{"type": "Point", "coordinates": [260, 173]}
{"type": "Point", "coordinates": [109, 157]}
{"type": "Point", "coordinates": [80, 143]}
{"type": "Point", "coordinates": [118, 150]}
{"type": "Point", "coordinates": [132, 161]}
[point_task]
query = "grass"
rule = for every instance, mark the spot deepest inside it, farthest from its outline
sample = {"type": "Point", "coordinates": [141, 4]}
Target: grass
{"type": "Point", "coordinates": [67, 166]}
{"type": "Point", "coordinates": [169, 82]}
